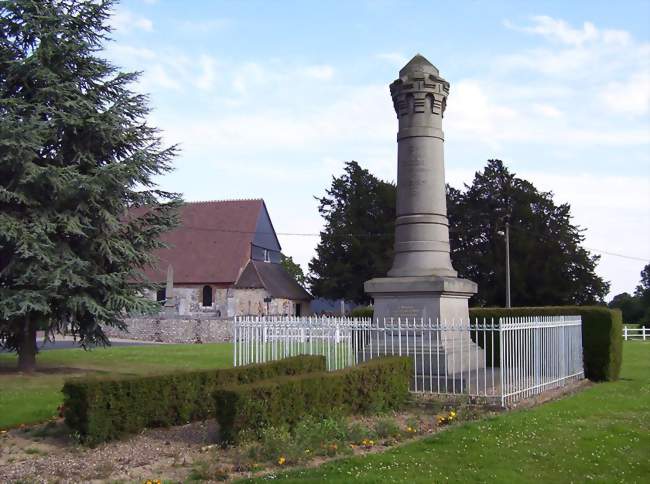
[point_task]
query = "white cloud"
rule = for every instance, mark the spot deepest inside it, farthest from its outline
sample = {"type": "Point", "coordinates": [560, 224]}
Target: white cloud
{"type": "Point", "coordinates": [547, 110]}
{"type": "Point", "coordinates": [248, 75]}
{"type": "Point", "coordinates": [320, 72]}
{"type": "Point", "coordinates": [631, 96]}
{"type": "Point", "coordinates": [558, 30]}
{"type": "Point", "coordinates": [589, 54]}
{"type": "Point", "coordinates": [338, 120]}
{"type": "Point", "coordinates": [395, 58]}
{"type": "Point", "coordinates": [471, 113]}
{"type": "Point", "coordinates": [157, 75]}
{"type": "Point", "coordinates": [128, 54]}
{"type": "Point", "coordinates": [578, 91]}
{"type": "Point", "coordinates": [208, 72]}
{"type": "Point", "coordinates": [124, 20]}
{"type": "Point", "coordinates": [206, 26]}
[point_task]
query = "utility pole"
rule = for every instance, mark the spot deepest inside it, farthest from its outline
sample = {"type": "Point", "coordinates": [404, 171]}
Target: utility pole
{"type": "Point", "coordinates": [507, 264]}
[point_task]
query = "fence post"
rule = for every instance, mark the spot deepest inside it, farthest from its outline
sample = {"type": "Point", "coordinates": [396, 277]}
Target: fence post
{"type": "Point", "coordinates": [625, 333]}
{"type": "Point", "coordinates": [643, 332]}
{"type": "Point", "coordinates": [501, 362]}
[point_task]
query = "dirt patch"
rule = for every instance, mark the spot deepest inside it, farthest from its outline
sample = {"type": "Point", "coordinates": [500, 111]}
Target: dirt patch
{"type": "Point", "coordinates": [48, 452]}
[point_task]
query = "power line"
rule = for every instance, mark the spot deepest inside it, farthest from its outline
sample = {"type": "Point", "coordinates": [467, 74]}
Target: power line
{"type": "Point", "coordinates": [631, 257]}
{"type": "Point", "coordinates": [312, 234]}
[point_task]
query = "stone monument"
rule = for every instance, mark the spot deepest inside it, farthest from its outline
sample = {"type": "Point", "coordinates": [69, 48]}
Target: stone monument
{"type": "Point", "coordinates": [170, 300]}
{"type": "Point", "coordinates": [422, 282]}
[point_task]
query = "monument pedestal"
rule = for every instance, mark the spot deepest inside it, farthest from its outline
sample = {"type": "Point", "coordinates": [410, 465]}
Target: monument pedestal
{"type": "Point", "coordinates": [429, 298]}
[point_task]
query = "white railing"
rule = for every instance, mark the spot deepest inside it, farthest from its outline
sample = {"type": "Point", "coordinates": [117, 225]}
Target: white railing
{"type": "Point", "coordinates": [642, 333]}
{"type": "Point", "coordinates": [501, 361]}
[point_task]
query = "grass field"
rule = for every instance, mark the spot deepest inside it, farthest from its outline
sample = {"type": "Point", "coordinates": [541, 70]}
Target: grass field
{"type": "Point", "coordinates": [599, 435]}
{"type": "Point", "coordinates": [30, 399]}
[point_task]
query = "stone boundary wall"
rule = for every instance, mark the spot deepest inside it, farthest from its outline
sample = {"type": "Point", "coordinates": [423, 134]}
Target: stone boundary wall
{"type": "Point", "coordinates": [174, 330]}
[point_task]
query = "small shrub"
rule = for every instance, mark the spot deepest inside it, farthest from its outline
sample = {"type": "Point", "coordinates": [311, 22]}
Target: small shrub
{"type": "Point", "coordinates": [386, 428]}
{"type": "Point", "coordinates": [363, 312]}
{"type": "Point", "coordinates": [357, 432]}
{"type": "Point", "coordinates": [273, 443]}
{"type": "Point", "coordinates": [376, 385]}
{"type": "Point", "coordinates": [413, 425]}
{"type": "Point", "coordinates": [100, 409]}
{"type": "Point", "coordinates": [312, 434]}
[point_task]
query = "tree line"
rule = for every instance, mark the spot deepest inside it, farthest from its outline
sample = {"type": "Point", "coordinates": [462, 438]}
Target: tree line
{"type": "Point", "coordinates": [548, 264]}
{"type": "Point", "coordinates": [635, 307]}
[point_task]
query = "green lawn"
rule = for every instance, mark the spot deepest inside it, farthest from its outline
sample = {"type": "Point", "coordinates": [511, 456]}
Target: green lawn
{"type": "Point", "coordinates": [599, 435]}
{"type": "Point", "coordinates": [29, 399]}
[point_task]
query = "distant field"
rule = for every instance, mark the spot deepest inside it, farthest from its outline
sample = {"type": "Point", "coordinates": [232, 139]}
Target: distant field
{"type": "Point", "coordinates": [30, 399]}
{"type": "Point", "coordinates": [601, 435]}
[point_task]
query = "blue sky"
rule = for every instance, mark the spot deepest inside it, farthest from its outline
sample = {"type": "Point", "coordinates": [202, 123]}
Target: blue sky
{"type": "Point", "coordinates": [268, 99]}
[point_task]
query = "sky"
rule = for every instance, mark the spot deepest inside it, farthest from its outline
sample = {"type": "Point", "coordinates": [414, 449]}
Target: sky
{"type": "Point", "coordinates": [269, 99]}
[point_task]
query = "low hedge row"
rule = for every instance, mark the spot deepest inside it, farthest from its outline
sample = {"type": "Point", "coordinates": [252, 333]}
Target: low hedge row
{"type": "Point", "coordinates": [602, 341]}
{"type": "Point", "coordinates": [101, 409]}
{"type": "Point", "coordinates": [376, 385]}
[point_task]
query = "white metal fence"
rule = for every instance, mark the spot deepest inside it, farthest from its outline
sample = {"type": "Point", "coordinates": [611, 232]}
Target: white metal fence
{"type": "Point", "coordinates": [642, 333]}
{"type": "Point", "coordinates": [501, 360]}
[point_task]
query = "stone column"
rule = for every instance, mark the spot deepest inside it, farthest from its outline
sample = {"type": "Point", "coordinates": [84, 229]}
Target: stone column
{"type": "Point", "coordinates": [422, 284]}
{"type": "Point", "coordinates": [421, 227]}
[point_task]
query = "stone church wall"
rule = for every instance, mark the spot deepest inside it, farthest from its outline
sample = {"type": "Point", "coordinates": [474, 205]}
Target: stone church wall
{"type": "Point", "coordinates": [174, 330]}
{"type": "Point", "coordinates": [230, 302]}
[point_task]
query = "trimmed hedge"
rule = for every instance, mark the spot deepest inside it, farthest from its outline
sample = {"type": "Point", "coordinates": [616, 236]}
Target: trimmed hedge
{"type": "Point", "coordinates": [602, 340]}
{"type": "Point", "coordinates": [363, 312]}
{"type": "Point", "coordinates": [101, 409]}
{"type": "Point", "coordinates": [376, 385]}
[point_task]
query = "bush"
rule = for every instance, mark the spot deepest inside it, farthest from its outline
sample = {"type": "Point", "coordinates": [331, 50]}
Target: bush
{"type": "Point", "coordinates": [387, 427]}
{"type": "Point", "coordinates": [363, 312]}
{"type": "Point", "coordinates": [602, 341]}
{"type": "Point", "coordinates": [377, 385]}
{"type": "Point", "coordinates": [101, 409]}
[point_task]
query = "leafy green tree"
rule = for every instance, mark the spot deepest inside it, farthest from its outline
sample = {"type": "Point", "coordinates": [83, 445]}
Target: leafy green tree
{"type": "Point", "coordinates": [357, 241]}
{"type": "Point", "coordinates": [548, 264]}
{"type": "Point", "coordinates": [75, 155]}
{"type": "Point", "coordinates": [294, 269]}
{"type": "Point", "coordinates": [629, 305]}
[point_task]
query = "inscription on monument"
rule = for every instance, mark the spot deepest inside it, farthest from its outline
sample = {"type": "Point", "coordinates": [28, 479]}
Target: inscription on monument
{"type": "Point", "coordinates": [406, 311]}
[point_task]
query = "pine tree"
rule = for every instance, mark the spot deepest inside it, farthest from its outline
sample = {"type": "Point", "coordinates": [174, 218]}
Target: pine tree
{"type": "Point", "coordinates": [548, 264]}
{"type": "Point", "coordinates": [75, 154]}
{"type": "Point", "coordinates": [357, 242]}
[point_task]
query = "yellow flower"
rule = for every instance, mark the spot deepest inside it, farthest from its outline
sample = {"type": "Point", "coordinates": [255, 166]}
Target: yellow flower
{"type": "Point", "coordinates": [452, 414]}
{"type": "Point", "coordinates": [281, 460]}
{"type": "Point", "coordinates": [307, 451]}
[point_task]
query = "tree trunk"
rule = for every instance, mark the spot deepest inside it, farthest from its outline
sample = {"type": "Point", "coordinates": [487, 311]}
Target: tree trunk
{"type": "Point", "coordinates": [27, 350]}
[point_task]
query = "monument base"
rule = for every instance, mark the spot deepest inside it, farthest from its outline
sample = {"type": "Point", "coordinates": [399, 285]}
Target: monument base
{"type": "Point", "coordinates": [435, 298]}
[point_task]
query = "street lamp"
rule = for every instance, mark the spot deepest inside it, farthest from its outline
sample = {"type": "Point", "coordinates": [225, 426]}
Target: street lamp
{"type": "Point", "coordinates": [507, 236]}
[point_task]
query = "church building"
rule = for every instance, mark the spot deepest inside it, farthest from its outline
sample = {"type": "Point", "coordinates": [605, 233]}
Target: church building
{"type": "Point", "coordinates": [223, 261]}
